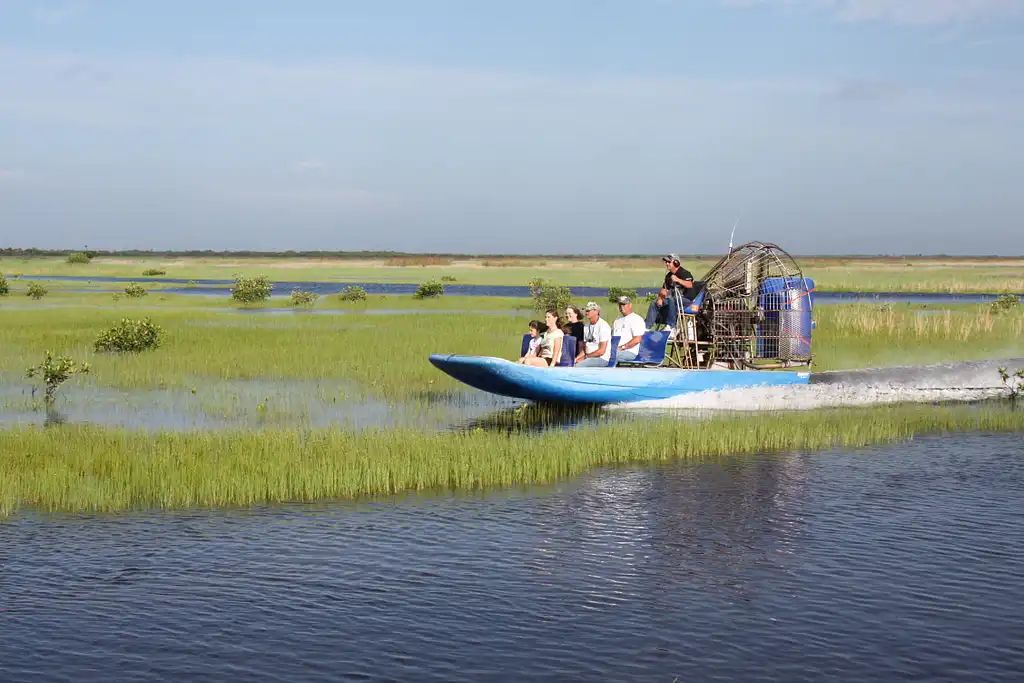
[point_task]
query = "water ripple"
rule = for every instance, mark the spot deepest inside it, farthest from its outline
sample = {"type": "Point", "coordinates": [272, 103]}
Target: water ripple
{"type": "Point", "coordinates": [889, 563]}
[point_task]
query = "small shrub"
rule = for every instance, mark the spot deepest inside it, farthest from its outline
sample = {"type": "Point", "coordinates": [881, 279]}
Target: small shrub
{"type": "Point", "coordinates": [429, 289]}
{"type": "Point", "coordinates": [651, 297]}
{"type": "Point", "coordinates": [251, 289]}
{"type": "Point", "coordinates": [615, 292]}
{"type": "Point", "coordinates": [36, 290]}
{"type": "Point", "coordinates": [300, 298]}
{"type": "Point", "coordinates": [447, 278]}
{"type": "Point", "coordinates": [135, 290]}
{"type": "Point", "coordinates": [353, 293]}
{"type": "Point", "coordinates": [129, 336]}
{"type": "Point", "coordinates": [1006, 303]}
{"type": "Point", "coordinates": [152, 272]}
{"type": "Point", "coordinates": [1014, 383]}
{"type": "Point", "coordinates": [549, 295]}
{"type": "Point", "coordinates": [54, 372]}
{"type": "Point", "coordinates": [5, 289]}
{"type": "Point", "coordinates": [78, 257]}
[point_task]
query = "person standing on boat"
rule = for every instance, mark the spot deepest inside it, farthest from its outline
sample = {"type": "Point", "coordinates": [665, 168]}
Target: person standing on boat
{"type": "Point", "coordinates": [664, 310]}
{"type": "Point", "coordinates": [597, 339]}
{"type": "Point", "coordinates": [629, 328]}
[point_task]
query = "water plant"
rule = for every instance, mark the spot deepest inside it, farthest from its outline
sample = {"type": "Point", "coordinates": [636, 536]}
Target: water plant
{"type": "Point", "coordinates": [88, 468]}
{"type": "Point", "coordinates": [353, 293]}
{"type": "Point", "coordinates": [79, 258]}
{"type": "Point", "coordinates": [54, 371]}
{"type": "Point", "coordinates": [129, 336]}
{"type": "Point", "coordinates": [385, 355]}
{"type": "Point", "coordinates": [1014, 383]}
{"type": "Point", "coordinates": [615, 292]}
{"type": "Point", "coordinates": [36, 290]}
{"type": "Point", "coordinates": [547, 295]}
{"type": "Point", "coordinates": [250, 290]}
{"type": "Point", "coordinates": [4, 287]}
{"type": "Point", "coordinates": [153, 272]}
{"type": "Point", "coordinates": [300, 298]}
{"type": "Point", "coordinates": [1006, 303]}
{"type": "Point", "coordinates": [429, 289]}
{"type": "Point", "coordinates": [134, 290]}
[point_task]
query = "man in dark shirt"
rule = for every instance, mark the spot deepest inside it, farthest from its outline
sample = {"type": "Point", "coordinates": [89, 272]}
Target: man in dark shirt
{"type": "Point", "coordinates": [663, 310]}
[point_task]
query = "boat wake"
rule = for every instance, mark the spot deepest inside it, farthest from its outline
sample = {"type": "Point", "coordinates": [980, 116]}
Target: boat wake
{"type": "Point", "coordinates": [964, 381]}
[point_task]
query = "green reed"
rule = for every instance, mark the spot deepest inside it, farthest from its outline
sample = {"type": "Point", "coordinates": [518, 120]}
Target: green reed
{"type": "Point", "coordinates": [386, 354]}
{"type": "Point", "coordinates": [85, 468]}
{"type": "Point", "coordinates": [832, 273]}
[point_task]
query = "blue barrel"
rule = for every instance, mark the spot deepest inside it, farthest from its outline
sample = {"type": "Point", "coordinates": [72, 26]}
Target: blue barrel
{"type": "Point", "coordinates": [785, 333]}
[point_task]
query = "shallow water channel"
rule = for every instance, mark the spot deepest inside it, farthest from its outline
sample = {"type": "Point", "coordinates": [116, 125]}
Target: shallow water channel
{"type": "Point", "coordinates": [283, 289]}
{"type": "Point", "coordinates": [889, 563]}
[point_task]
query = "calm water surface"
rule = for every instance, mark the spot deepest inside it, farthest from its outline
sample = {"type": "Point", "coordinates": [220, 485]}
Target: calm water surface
{"type": "Point", "coordinates": [282, 289]}
{"type": "Point", "coordinates": [892, 563]}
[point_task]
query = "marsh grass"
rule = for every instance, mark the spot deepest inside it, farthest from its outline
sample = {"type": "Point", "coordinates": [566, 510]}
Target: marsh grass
{"type": "Point", "coordinates": [835, 274]}
{"type": "Point", "coordinates": [386, 355]}
{"type": "Point", "coordinates": [865, 335]}
{"type": "Point", "coordinates": [419, 261]}
{"type": "Point", "coordinates": [80, 468]}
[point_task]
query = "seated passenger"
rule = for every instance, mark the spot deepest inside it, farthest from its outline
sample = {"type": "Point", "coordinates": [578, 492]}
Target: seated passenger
{"type": "Point", "coordinates": [663, 310]}
{"type": "Point", "coordinates": [597, 337]}
{"type": "Point", "coordinates": [629, 328]}
{"type": "Point", "coordinates": [549, 350]}
{"type": "Point", "coordinates": [574, 326]}
{"type": "Point", "coordinates": [531, 351]}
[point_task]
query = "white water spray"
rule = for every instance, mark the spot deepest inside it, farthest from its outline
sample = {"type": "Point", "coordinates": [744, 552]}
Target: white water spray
{"type": "Point", "coordinates": [965, 381]}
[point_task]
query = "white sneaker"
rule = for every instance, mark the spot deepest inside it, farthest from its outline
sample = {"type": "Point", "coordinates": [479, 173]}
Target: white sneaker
{"type": "Point", "coordinates": [671, 333]}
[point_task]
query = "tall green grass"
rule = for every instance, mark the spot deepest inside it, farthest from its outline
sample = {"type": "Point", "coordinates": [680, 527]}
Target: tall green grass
{"type": "Point", "coordinates": [835, 274]}
{"type": "Point", "coordinates": [81, 468]}
{"type": "Point", "coordinates": [386, 355]}
{"type": "Point", "coordinates": [868, 335]}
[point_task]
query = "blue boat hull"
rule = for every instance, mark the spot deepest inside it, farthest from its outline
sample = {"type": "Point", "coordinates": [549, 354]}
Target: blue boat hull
{"type": "Point", "coordinates": [600, 385]}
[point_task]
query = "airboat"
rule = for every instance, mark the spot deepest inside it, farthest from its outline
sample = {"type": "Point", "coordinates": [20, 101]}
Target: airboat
{"type": "Point", "coordinates": [746, 323]}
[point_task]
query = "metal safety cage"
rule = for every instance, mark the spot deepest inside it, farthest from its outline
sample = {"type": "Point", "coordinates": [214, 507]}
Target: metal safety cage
{"type": "Point", "coordinates": [756, 312]}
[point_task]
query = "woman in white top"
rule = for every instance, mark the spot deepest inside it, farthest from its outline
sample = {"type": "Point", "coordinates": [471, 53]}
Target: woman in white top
{"type": "Point", "coordinates": [549, 351]}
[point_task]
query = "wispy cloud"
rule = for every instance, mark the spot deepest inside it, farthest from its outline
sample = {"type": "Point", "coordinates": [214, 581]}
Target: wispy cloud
{"type": "Point", "coordinates": [59, 14]}
{"type": "Point", "coordinates": [868, 91]}
{"type": "Point", "coordinates": [910, 12]}
{"type": "Point", "coordinates": [321, 198]}
{"type": "Point", "coordinates": [307, 165]}
{"type": "Point", "coordinates": [140, 91]}
{"type": "Point", "coordinates": [11, 174]}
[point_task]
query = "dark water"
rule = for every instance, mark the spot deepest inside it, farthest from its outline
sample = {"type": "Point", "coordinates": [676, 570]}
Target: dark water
{"type": "Point", "coordinates": [208, 287]}
{"type": "Point", "coordinates": [892, 563]}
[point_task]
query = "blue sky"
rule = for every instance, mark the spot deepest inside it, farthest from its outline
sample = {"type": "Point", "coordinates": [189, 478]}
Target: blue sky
{"type": "Point", "coordinates": [555, 126]}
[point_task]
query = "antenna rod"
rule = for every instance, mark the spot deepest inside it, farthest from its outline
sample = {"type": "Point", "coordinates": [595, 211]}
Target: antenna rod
{"type": "Point", "coordinates": [734, 229]}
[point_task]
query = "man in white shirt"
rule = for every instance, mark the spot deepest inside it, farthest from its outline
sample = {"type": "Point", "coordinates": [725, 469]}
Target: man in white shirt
{"type": "Point", "coordinates": [629, 328]}
{"type": "Point", "coordinates": [597, 337]}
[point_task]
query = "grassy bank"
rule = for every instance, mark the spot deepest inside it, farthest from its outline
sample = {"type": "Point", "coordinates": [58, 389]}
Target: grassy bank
{"type": "Point", "coordinates": [76, 469]}
{"type": "Point", "coordinates": [833, 274]}
{"type": "Point", "coordinates": [386, 354]}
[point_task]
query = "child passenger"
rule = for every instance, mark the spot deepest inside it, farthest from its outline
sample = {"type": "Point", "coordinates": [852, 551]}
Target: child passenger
{"type": "Point", "coordinates": [531, 350]}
